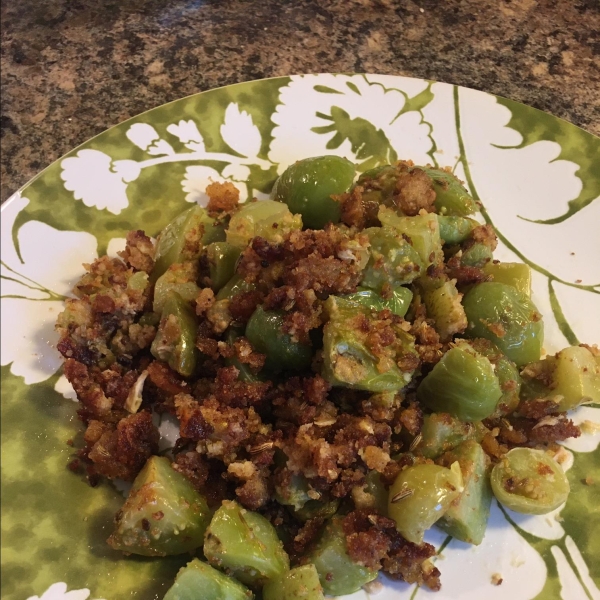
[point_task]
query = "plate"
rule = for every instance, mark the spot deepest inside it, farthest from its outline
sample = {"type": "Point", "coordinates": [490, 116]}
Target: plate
{"type": "Point", "coordinates": [536, 176]}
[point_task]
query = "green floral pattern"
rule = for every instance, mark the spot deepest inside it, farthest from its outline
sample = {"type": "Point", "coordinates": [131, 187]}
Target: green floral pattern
{"type": "Point", "coordinates": [538, 181]}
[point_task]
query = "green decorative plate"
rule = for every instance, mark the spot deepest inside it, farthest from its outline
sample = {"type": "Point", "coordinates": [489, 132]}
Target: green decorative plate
{"type": "Point", "coordinates": [537, 177]}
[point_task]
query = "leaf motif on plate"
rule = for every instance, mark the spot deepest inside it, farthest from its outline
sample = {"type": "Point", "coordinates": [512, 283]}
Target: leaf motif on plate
{"type": "Point", "coordinates": [240, 133]}
{"type": "Point", "coordinates": [58, 591]}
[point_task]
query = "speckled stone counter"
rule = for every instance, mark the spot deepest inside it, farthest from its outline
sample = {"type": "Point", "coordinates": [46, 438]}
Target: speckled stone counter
{"type": "Point", "coordinates": [70, 69]}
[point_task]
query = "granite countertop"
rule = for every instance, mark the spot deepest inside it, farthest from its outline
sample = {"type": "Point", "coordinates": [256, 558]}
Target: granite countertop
{"type": "Point", "coordinates": [70, 69]}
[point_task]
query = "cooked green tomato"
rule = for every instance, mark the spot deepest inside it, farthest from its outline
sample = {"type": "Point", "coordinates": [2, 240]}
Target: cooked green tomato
{"type": "Point", "coordinates": [180, 278]}
{"type": "Point", "coordinates": [516, 274]}
{"type": "Point", "coordinates": [338, 573]}
{"type": "Point", "coordinates": [181, 240]}
{"type": "Point", "coordinates": [246, 373]}
{"type": "Point", "coordinates": [529, 481]}
{"type": "Point", "coordinates": [466, 518]}
{"type": "Point", "coordinates": [442, 432]}
{"type": "Point", "coordinates": [398, 301]}
{"type": "Point", "coordinates": [476, 255]}
{"type": "Point", "coordinates": [301, 583]}
{"type": "Point", "coordinates": [462, 383]}
{"type": "Point", "coordinates": [199, 581]}
{"type": "Point", "coordinates": [175, 341]}
{"type": "Point", "coordinates": [222, 258]}
{"type": "Point", "coordinates": [454, 230]}
{"type": "Point", "coordinates": [392, 259]}
{"type": "Point", "coordinates": [307, 186]}
{"type": "Point", "coordinates": [322, 509]}
{"type": "Point", "coordinates": [265, 218]}
{"type": "Point", "coordinates": [420, 495]}
{"type": "Point", "coordinates": [138, 281]}
{"type": "Point", "coordinates": [347, 360]}
{"type": "Point", "coordinates": [422, 230]}
{"type": "Point", "coordinates": [573, 375]}
{"type": "Point", "coordinates": [451, 196]}
{"type": "Point", "coordinates": [245, 545]}
{"type": "Point", "coordinates": [376, 490]}
{"type": "Point", "coordinates": [265, 332]}
{"type": "Point", "coordinates": [444, 307]}
{"type": "Point", "coordinates": [162, 515]}
{"type": "Point", "coordinates": [236, 285]}
{"type": "Point", "coordinates": [507, 373]}
{"type": "Point", "coordinates": [292, 490]}
{"type": "Point", "coordinates": [503, 315]}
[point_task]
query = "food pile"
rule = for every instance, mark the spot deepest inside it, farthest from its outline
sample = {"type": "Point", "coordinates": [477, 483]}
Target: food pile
{"type": "Point", "coordinates": [348, 365]}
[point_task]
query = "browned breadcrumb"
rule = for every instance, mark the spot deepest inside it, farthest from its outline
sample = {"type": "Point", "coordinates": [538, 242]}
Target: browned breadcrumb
{"type": "Point", "coordinates": [139, 251]}
{"type": "Point", "coordinates": [223, 198]}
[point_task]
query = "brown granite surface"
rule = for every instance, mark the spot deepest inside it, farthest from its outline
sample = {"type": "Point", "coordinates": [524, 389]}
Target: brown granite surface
{"type": "Point", "coordinates": [72, 68]}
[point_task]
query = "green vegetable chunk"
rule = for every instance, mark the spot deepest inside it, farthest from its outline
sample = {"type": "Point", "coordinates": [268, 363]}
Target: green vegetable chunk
{"type": "Point", "coordinates": [420, 495]}
{"type": "Point", "coordinates": [181, 240]}
{"type": "Point", "coordinates": [462, 383]}
{"type": "Point", "coordinates": [476, 255]}
{"type": "Point", "coordinates": [503, 315]}
{"type": "Point", "coordinates": [451, 196]}
{"type": "Point", "coordinates": [444, 307]}
{"type": "Point", "coordinates": [265, 218]}
{"type": "Point", "coordinates": [301, 583]}
{"type": "Point", "coordinates": [454, 230]}
{"type": "Point", "coordinates": [180, 278]}
{"type": "Point", "coordinates": [442, 432]}
{"type": "Point", "coordinates": [338, 573]}
{"type": "Point", "coordinates": [236, 285]}
{"type": "Point", "coordinates": [466, 518]}
{"type": "Point", "coordinates": [347, 359]}
{"type": "Point", "coordinates": [516, 274]}
{"type": "Point", "coordinates": [529, 481]}
{"type": "Point", "coordinates": [398, 301]}
{"type": "Point", "coordinates": [163, 514]}
{"type": "Point", "coordinates": [244, 544]}
{"type": "Point", "coordinates": [222, 258]}
{"type": "Point", "coordinates": [393, 260]}
{"type": "Point", "coordinates": [245, 372]}
{"type": "Point", "coordinates": [322, 509]}
{"type": "Point", "coordinates": [175, 341]}
{"type": "Point", "coordinates": [199, 581]}
{"type": "Point", "coordinates": [307, 186]}
{"type": "Point", "coordinates": [265, 332]}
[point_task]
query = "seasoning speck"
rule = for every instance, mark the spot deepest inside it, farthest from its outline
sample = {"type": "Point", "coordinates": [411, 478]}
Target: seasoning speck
{"type": "Point", "coordinates": [497, 579]}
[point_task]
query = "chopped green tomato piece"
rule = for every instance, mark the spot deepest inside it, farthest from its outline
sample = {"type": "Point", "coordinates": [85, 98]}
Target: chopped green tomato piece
{"type": "Point", "coordinates": [508, 318]}
{"type": "Point", "coordinates": [317, 509]}
{"type": "Point", "coordinates": [245, 545]}
{"type": "Point", "coordinates": [454, 230]}
{"type": "Point", "coordinates": [175, 341]}
{"type": "Point", "coordinates": [507, 373]}
{"type": "Point", "coordinates": [377, 493]}
{"type": "Point", "coordinates": [349, 362]}
{"type": "Point", "coordinates": [292, 490]}
{"type": "Point", "coordinates": [265, 218]}
{"type": "Point", "coordinates": [138, 281]}
{"type": "Point", "coordinates": [245, 372]}
{"type": "Point", "coordinates": [444, 307]}
{"type": "Point", "coordinates": [398, 301]}
{"type": "Point", "coordinates": [420, 495]}
{"type": "Point", "coordinates": [573, 375]}
{"type": "Point", "coordinates": [516, 274]}
{"type": "Point", "coordinates": [451, 196]}
{"type": "Point", "coordinates": [338, 573]}
{"type": "Point", "coordinates": [393, 260]}
{"type": "Point", "coordinates": [476, 255]}
{"type": "Point", "coordinates": [181, 240]}
{"type": "Point", "coordinates": [222, 258]}
{"type": "Point", "coordinates": [466, 518]}
{"type": "Point", "coordinates": [462, 383]}
{"type": "Point", "coordinates": [214, 233]}
{"type": "Point", "coordinates": [199, 581]}
{"type": "Point", "coordinates": [180, 278]}
{"type": "Point", "coordinates": [236, 285]}
{"type": "Point", "coordinates": [163, 514]}
{"type": "Point", "coordinates": [442, 432]}
{"type": "Point", "coordinates": [301, 583]}
{"type": "Point", "coordinates": [422, 230]}
{"type": "Point", "coordinates": [265, 332]}
{"type": "Point", "coordinates": [529, 481]}
{"type": "Point", "coordinates": [307, 186]}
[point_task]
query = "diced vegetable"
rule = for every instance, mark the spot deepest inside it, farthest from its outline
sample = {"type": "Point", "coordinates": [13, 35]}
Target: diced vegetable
{"type": "Point", "coordinates": [199, 581]}
{"type": "Point", "coordinates": [516, 274]}
{"type": "Point", "coordinates": [444, 307]}
{"type": "Point", "coordinates": [451, 196]}
{"type": "Point", "coordinates": [307, 186]}
{"type": "Point", "coordinates": [420, 495]}
{"type": "Point", "coordinates": [180, 278]}
{"type": "Point", "coordinates": [476, 255]}
{"type": "Point", "coordinates": [222, 258]}
{"type": "Point", "coordinates": [442, 432]}
{"type": "Point", "coordinates": [398, 301]}
{"type": "Point", "coordinates": [529, 481]}
{"type": "Point", "coordinates": [454, 230]}
{"type": "Point", "coordinates": [338, 573]}
{"type": "Point", "coordinates": [301, 583]}
{"type": "Point", "coordinates": [245, 545]}
{"type": "Point", "coordinates": [236, 285]}
{"type": "Point", "coordinates": [162, 515]}
{"type": "Point", "coordinates": [466, 518]}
